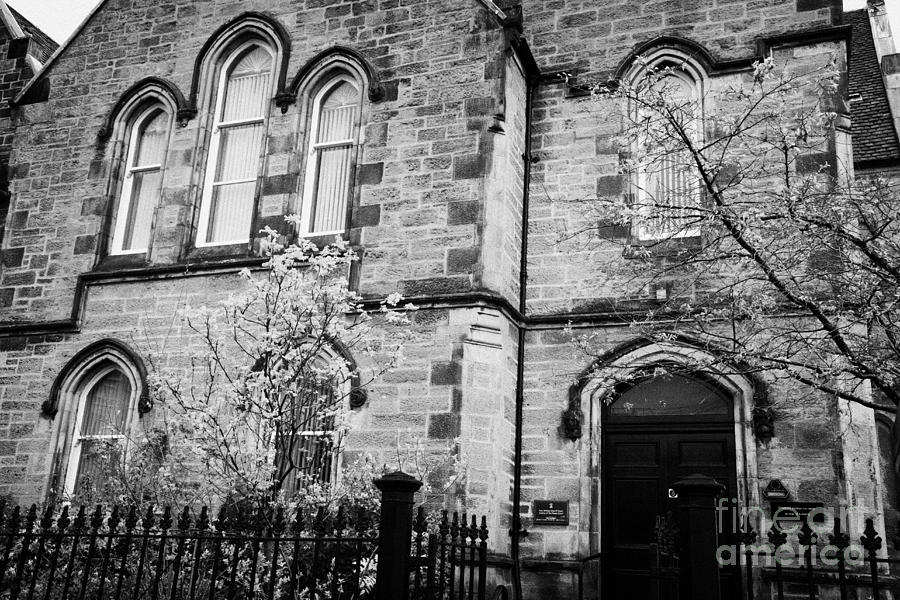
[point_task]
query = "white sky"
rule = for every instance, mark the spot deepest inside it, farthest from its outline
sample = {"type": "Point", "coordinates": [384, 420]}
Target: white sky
{"type": "Point", "coordinates": [59, 18]}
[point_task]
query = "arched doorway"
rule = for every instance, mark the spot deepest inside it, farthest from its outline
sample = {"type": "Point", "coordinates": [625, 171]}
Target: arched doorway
{"type": "Point", "coordinates": [658, 428]}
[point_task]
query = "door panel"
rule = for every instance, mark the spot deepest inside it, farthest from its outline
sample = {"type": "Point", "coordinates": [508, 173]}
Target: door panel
{"type": "Point", "coordinates": [640, 466]}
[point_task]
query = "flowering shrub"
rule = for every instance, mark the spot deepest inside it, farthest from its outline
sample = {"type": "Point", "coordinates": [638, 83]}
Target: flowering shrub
{"type": "Point", "coordinates": [261, 410]}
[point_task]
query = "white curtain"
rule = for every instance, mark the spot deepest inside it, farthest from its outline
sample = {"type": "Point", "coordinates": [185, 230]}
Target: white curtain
{"type": "Point", "coordinates": [332, 153]}
{"type": "Point", "coordinates": [240, 128]}
{"type": "Point", "coordinates": [102, 429]}
{"type": "Point", "coordinates": [143, 180]}
{"type": "Point", "coordinates": [671, 182]}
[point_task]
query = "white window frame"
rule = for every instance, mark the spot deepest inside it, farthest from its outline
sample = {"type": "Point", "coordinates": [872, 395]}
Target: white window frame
{"type": "Point", "coordinates": [212, 161]}
{"type": "Point", "coordinates": [312, 155]}
{"type": "Point", "coordinates": [74, 459]}
{"type": "Point", "coordinates": [125, 196]}
{"type": "Point", "coordinates": [644, 182]}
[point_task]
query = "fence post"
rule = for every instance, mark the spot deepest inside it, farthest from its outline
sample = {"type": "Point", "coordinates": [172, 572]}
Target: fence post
{"type": "Point", "coordinates": [394, 535]}
{"type": "Point", "coordinates": [697, 502]}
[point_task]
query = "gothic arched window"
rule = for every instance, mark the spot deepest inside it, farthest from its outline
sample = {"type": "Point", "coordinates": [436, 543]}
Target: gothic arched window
{"type": "Point", "coordinates": [105, 401]}
{"type": "Point", "coordinates": [333, 134]}
{"type": "Point", "coordinates": [95, 401]}
{"type": "Point", "coordinates": [667, 112]}
{"type": "Point", "coordinates": [243, 92]}
{"type": "Point", "coordinates": [142, 181]}
{"type": "Point", "coordinates": [309, 436]}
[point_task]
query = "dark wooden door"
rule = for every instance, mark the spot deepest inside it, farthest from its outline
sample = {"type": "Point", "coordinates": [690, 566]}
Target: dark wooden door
{"type": "Point", "coordinates": [640, 466]}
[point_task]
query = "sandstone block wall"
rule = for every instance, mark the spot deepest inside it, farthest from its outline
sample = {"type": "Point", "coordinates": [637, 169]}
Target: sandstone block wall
{"type": "Point", "coordinates": [419, 217]}
{"type": "Point", "coordinates": [438, 215]}
{"type": "Point", "coordinates": [426, 151]}
{"type": "Point", "coordinates": [586, 38]}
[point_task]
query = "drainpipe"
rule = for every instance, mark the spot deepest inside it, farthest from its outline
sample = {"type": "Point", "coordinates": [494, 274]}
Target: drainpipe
{"type": "Point", "coordinates": [516, 531]}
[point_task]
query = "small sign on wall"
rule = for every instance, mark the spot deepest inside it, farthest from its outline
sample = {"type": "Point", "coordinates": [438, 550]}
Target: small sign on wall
{"type": "Point", "coordinates": [550, 512]}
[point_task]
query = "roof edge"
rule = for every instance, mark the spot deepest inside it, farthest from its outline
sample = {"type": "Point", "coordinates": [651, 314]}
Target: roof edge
{"type": "Point", "coordinates": [15, 30]}
{"type": "Point", "coordinates": [41, 72]}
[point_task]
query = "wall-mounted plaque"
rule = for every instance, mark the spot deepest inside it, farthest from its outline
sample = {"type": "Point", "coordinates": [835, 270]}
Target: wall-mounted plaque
{"type": "Point", "coordinates": [550, 512]}
{"type": "Point", "coordinates": [790, 516]}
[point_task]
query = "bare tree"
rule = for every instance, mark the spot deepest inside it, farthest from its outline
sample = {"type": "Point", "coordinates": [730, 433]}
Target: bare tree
{"type": "Point", "coordinates": [262, 408]}
{"type": "Point", "coordinates": [762, 246]}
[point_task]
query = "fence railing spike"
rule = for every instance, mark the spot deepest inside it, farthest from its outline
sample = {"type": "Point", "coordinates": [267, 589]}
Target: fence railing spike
{"type": "Point", "coordinates": [776, 536]}
{"type": "Point", "coordinates": [31, 517]}
{"type": "Point", "coordinates": [838, 538]}
{"type": "Point", "coordinates": [419, 524]}
{"type": "Point", "coordinates": [62, 522]}
{"type": "Point", "coordinates": [112, 522]}
{"type": "Point", "coordinates": [278, 521]}
{"type": "Point", "coordinates": [297, 524]}
{"type": "Point", "coordinates": [870, 539]}
{"type": "Point", "coordinates": [80, 520]}
{"type": "Point", "coordinates": [340, 521]}
{"type": "Point", "coordinates": [165, 523]}
{"type": "Point", "coordinates": [147, 521]}
{"type": "Point", "coordinates": [97, 518]}
{"type": "Point", "coordinates": [131, 518]}
{"type": "Point", "coordinates": [203, 519]}
{"type": "Point", "coordinates": [748, 534]}
{"type": "Point", "coordinates": [444, 525]}
{"type": "Point", "coordinates": [184, 520]}
{"type": "Point", "coordinates": [222, 518]}
{"type": "Point", "coordinates": [47, 519]}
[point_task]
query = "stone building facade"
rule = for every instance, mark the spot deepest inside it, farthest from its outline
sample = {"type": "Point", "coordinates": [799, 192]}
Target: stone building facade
{"type": "Point", "coordinates": [23, 48]}
{"type": "Point", "coordinates": [465, 140]}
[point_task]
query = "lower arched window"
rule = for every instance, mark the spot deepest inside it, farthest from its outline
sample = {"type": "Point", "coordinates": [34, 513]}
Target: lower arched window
{"type": "Point", "coordinates": [308, 445]}
{"type": "Point", "coordinates": [310, 413]}
{"type": "Point", "coordinates": [104, 409]}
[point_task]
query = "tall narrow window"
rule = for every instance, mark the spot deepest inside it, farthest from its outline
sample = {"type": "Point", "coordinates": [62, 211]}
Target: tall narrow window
{"type": "Point", "coordinates": [142, 179]}
{"type": "Point", "coordinates": [100, 431]}
{"type": "Point", "coordinates": [668, 191]}
{"type": "Point", "coordinates": [329, 169]}
{"type": "Point", "coordinates": [236, 143]}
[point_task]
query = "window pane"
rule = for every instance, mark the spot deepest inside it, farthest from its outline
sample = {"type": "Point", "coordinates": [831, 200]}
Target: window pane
{"type": "Point", "coordinates": [671, 188]}
{"type": "Point", "coordinates": [307, 447]}
{"type": "Point", "coordinates": [672, 396]}
{"type": "Point", "coordinates": [239, 149]}
{"type": "Point", "coordinates": [332, 187]}
{"type": "Point", "coordinates": [106, 406]}
{"type": "Point", "coordinates": [338, 114]}
{"type": "Point", "coordinates": [247, 90]}
{"type": "Point", "coordinates": [229, 215]}
{"type": "Point", "coordinates": [144, 193]}
{"type": "Point", "coordinates": [98, 462]}
{"type": "Point", "coordinates": [151, 140]}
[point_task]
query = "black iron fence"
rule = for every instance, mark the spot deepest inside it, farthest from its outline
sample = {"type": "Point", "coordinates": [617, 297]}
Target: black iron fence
{"type": "Point", "coordinates": [123, 554]}
{"type": "Point", "coordinates": [114, 554]}
{"type": "Point", "coordinates": [813, 566]}
{"type": "Point", "coordinates": [449, 560]}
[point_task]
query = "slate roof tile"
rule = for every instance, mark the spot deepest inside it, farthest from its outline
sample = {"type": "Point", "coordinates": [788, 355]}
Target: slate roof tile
{"type": "Point", "coordinates": [874, 134]}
